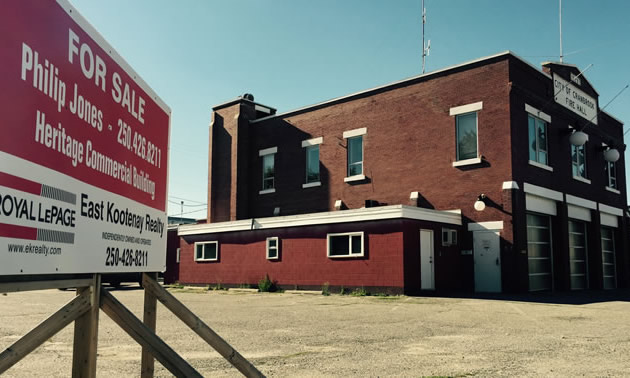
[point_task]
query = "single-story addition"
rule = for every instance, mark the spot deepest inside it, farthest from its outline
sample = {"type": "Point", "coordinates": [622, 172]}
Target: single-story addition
{"type": "Point", "coordinates": [381, 249]}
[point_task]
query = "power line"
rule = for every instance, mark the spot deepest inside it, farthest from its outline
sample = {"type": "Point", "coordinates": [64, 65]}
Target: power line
{"type": "Point", "coordinates": [189, 212]}
{"type": "Point", "coordinates": [186, 199]}
{"type": "Point", "coordinates": [179, 203]}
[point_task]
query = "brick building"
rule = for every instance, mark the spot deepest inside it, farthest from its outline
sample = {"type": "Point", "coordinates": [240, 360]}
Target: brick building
{"type": "Point", "coordinates": [474, 177]}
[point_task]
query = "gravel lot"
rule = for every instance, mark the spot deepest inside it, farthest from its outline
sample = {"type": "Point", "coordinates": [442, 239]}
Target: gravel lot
{"type": "Point", "coordinates": [312, 335]}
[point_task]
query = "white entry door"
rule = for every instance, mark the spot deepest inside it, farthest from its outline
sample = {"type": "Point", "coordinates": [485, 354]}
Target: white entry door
{"type": "Point", "coordinates": [487, 261]}
{"type": "Point", "coordinates": [427, 282]}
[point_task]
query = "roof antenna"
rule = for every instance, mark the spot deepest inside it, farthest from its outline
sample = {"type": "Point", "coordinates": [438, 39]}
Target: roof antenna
{"type": "Point", "coordinates": [427, 48]}
{"type": "Point", "coordinates": [560, 13]}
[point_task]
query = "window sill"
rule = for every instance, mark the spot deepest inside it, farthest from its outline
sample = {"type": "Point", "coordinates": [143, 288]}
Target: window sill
{"type": "Point", "coordinates": [354, 255]}
{"type": "Point", "coordinates": [205, 260]}
{"type": "Point", "coordinates": [272, 258]}
{"type": "Point", "coordinates": [354, 178]}
{"type": "Point", "coordinates": [311, 184]}
{"type": "Point", "coordinates": [267, 191]}
{"type": "Point", "coordinates": [578, 178]}
{"type": "Point", "coordinates": [613, 190]}
{"type": "Point", "coordinates": [461, 163]}
{"type": "Point", "coordinates": [541, 165]}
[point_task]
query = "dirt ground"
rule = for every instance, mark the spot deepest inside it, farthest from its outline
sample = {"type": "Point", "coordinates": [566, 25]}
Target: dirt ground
{"type": "Point", "coordinates": [317, 336]}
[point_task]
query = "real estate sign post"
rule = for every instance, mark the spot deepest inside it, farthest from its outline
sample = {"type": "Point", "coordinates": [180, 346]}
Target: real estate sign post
{"type": "Point", "coordinates": [83, 152]}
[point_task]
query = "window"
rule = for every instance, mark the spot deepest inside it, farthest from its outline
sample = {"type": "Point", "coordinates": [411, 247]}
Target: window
{"type": "Point", "coordinates": [354, 143]}
{"type": "Point", "coordinates": [312, 164]}
{"type": "Point", "coordinates": [578, 160]}
{"type": "Point", "coordinates": [611, 172]}
{"type": "Point", "coordinates": [578, 268]}
{"type": "Point", "coordinates": [537, 139]}
{"type": "Point", "coordinates": [608, 257]}
{"type": "Point", "coordinates": [207, 251]}
{"type": "Point", "coordinates": [355, 156]}
{"type": "Point", "coordinates": [466, 129]}
{"type": "Point", "coordinates": [268, 169]}
{"type": "Point", "coordinates": [449, 237]}
{"type": "Point", "coordinates": [345, 245]}
{"type": "Point", "coordinates": [539, 252]}
{"type": "Point", "coordinates": [177, 256]}
{"type": "Point", "coordinates": [273, 248]}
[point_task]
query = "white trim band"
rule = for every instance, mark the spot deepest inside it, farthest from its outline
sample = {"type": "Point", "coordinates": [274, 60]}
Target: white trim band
{"type": "Point", "coordinates": [537, 113]}
{"type": "Point", "coordinates": [542, 192]}
{"type": "Point", "coordinates": [472, 161]}
{"type": "Point", "coordinates": [509, 185]}
{"type": "Point", "coordinates": [312, 142]}
{"type": "Point", "coordinates": [578, 201]}
{"type": "Point", "coordinates": [268, 151]}
{"type": "Point", "coordinates": [466, 108]}
{"type": "Point", "coordinates": [610, 210]}
{"type": "Point", "coordinates": [343, 216]}
{"type": "Point", "coordinates": [311, 184]}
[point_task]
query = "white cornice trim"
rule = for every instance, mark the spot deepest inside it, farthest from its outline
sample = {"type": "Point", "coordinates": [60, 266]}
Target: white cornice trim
{"type": "Point", "coordinates": [582, 202]}
{"type": "Point", "coordinates": [482, 226]}
{"type": "Point", "coordinates": [542, 192]}
{"type": "Point", "coordinates": [343, 216]}
{"type": "Point", "coordinates": [610, 210]}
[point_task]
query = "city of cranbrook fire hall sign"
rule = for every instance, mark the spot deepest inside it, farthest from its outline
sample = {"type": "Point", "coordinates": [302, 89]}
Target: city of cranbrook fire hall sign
{"type": "Point", "coordinates": [83, 151]}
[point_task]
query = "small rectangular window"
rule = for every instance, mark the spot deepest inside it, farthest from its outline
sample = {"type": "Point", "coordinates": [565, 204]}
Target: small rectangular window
{"type": "Point", "coordinates": [273, 248]}
{"type": "Point", "coordinates": [537, 139]}
{"type": "Point", "coordinates": [466, 130]}
{"type": "Point", "coordinates": [449, 237]}
{"type": "Point", "coordinates": [611, 172]}
{"type": "Point", "coordinates": [578, 160]}
{"type": "Point", "coordinates": [345, 245]}
{"type": "Point", "coordinates": [207, 251]}
{"type": "Point", "coordinates": [355, 156]}
{"type": "Point", "coordinates": [177, 256]}
{"type": "Point", "coordinates": [312, 164]}
{"type": "Point", "coordinates": [268, 170]}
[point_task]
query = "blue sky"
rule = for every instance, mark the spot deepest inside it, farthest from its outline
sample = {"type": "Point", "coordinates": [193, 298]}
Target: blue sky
{"type": "Point", "coordinates": [293, 53]}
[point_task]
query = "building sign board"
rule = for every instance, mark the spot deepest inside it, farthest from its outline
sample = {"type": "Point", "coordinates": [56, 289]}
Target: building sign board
{"type": "Point", "coordinates": [83, 152]}
{"type": "Point", "coordinates": [574, 99]}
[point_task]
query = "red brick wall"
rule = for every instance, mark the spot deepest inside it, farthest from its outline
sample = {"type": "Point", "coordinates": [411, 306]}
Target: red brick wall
{"type": "Point", "coordinates": [303, 261]}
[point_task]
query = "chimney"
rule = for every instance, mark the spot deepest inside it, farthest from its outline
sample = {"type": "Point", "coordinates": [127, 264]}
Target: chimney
{"type": "Point", "coordinates": [228, 168]}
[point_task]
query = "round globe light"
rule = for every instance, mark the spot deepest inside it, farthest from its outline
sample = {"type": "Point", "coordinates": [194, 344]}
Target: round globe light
{"type": "Point", "coordinates": [578, 138]}
{"type": "Point", "coordinates": [479, 205]}
{"type": "Point", "coordinates": [611, 155]}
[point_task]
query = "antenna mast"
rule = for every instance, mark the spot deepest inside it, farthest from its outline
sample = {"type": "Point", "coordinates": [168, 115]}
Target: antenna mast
{"type": "Point", "coordinates": [427, 48]}
{"type": "Point", "coordinates": [560, 13]}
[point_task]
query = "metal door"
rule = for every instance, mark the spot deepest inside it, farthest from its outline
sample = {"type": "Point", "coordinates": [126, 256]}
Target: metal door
{"type": "Point", "coordinates": [487, 261]}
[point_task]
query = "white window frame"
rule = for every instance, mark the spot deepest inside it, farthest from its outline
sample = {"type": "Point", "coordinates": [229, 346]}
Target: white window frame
{"type": "Point", "coordinates": [204, 243]}
{"type": "Point", "coordinates": [462, 110]}
{"type": "Point", "coordinates": [306, 144]}
{"type": "Point", "coordinates": [451, 237]}
{"type": "Point", "coordinates": [262, 153]}
{"type": "Point", "coordinates": [277, 247]}
{"type": "Point", "coordinates": [609, 176]}
{"type": "Point", "coordinates": [353, 134]}
{"type": "Point", "coordinates": [577, 163]}
{"type": "Point", "coordinates": [350, 254]}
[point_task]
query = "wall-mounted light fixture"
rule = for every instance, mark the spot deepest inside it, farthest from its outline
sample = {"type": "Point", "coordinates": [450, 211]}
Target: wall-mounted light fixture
{"type": "Point", "coordinates": [611, 154]}
{"type": "Point", "coordinates": [578, 138]}
{"type": "Point", "coordinates": [480, 203]}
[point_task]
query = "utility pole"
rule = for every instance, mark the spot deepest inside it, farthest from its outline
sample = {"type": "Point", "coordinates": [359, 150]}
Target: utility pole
{"type": "Point", "coordinates": [560, 13]}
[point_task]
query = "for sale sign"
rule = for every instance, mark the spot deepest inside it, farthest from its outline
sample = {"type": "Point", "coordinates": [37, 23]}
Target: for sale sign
{"type": "Point", "coordinates": [83, 151]}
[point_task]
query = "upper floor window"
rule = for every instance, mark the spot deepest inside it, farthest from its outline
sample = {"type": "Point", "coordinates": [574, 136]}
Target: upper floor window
{"type": "Point", "coordinates": [355, 153]}
{"type": "Point", "coordinates": [578, 160]}
{"type": "Point", "coordinates": [537, 140]}
{"type": "Point", "coordinates": [467, 146]}
{"type": "Point", "coordinates": [268, 169]}
{"type": "Point", "coordinates": [311, 149]}
{"type": "Point", "coordinates": [611, 172]}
